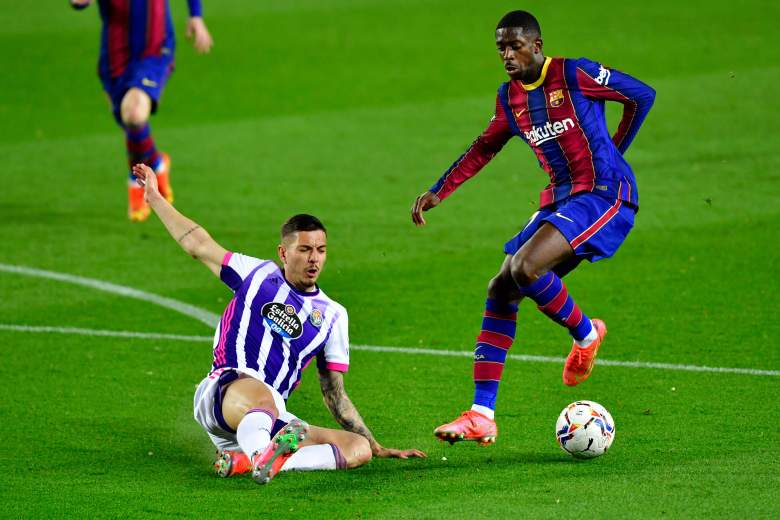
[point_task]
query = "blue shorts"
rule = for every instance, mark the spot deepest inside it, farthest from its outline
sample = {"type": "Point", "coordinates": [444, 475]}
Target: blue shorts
{"type": "Point", "coordinates": [593, 225]}
{"type": "Point", "coordinates": [149, 74]}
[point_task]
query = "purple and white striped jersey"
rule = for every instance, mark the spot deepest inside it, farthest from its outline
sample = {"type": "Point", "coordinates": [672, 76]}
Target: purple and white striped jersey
{"type": "Point", "coordinates": [272, 331]}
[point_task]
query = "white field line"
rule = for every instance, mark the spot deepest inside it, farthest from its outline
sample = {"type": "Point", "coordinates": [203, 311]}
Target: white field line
{"type": "Point", "coordinates": [204, 316]}
{"type": "Point", "coordinates": [399, 350]}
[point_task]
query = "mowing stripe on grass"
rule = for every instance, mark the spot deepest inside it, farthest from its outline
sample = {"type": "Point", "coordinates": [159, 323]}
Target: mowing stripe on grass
{"type": "Point", "coordinates": [204, 316]}
{"type": "Point", "coordinates": [398, 350]}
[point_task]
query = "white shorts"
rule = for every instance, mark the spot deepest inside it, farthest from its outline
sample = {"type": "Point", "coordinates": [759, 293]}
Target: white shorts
{"type": "Point", "coordinates": [208, 407]}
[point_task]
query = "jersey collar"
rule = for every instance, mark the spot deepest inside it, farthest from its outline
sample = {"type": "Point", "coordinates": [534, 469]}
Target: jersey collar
{"type": "Point", "coordinates": [542, 76]}
{"type": "Point", "coordinates": [315, 292]}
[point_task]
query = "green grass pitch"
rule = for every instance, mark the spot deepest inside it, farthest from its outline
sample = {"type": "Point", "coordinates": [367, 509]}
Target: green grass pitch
{"type": "Point", "coordinates": [348, 109]}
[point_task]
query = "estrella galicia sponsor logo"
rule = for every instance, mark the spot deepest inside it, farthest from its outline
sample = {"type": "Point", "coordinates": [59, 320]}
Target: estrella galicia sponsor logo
{"type": "Point", "coordinates": [603, 77]}
{"type": "Point", "coordinates": [316, 317]}
{"type": "Point", "coordinates": [282, 319]}
{"type": "Point", "coordinates": [541, 134]}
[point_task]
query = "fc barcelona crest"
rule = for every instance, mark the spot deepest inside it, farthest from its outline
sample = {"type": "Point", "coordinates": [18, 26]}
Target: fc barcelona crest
{"type": "Point", "coordinates": [556, 98]}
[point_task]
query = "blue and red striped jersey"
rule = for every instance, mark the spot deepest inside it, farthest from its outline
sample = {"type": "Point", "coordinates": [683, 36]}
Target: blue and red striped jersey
{"type": "Point", "coordinates": [135, 29]}
{"type": "Point", "coordinates": [561, 117]}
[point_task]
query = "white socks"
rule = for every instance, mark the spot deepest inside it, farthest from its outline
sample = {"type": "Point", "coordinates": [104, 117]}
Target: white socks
{"type": "Point", "coordinates": [484, 410]}
{"type": "Point", "coordinates": [590, 338]}
{"type": "Point", "coordinates": [317, 457]}
{"type": "Point", "coordinates": [254, 430]}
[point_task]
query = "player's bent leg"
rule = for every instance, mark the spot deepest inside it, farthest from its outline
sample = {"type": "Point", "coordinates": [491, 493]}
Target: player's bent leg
{"type": "Point", "coordinates": [246, 394]}
{"type": "Point", "coordinates": [300, 447]}
{"type": "Point", "coordinates": [348, 450]}
{"type": "Point", "coordinates": [532, 270]}
{"type": "Point", "coordinates": [250, 408]}
{"type": "Point", "coordinates": [540, 254]}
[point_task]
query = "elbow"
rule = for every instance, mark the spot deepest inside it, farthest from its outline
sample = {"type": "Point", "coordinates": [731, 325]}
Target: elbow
{"type": "Point", "coordinates": [359, 452]}
{"type": "Point", "coordinates": [650, 97]}
{"type": "Point", "coordinates": [195, 246]}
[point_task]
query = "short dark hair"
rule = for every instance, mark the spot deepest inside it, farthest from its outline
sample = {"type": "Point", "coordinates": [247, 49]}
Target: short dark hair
{"type": "Point", "coordinates": [522, 19]}
{"type": "Point", "coordinates": [302, 222]}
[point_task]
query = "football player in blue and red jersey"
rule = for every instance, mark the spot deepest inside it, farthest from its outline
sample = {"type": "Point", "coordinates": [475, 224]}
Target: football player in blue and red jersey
{"type": "Point", "coordinates": [137, 45]}
{"type": "Point", "coordinates": [555, 105]}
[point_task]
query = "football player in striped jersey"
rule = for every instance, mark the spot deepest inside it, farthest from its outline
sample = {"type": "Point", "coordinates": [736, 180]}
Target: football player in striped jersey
{"type": "Point", "coordinates": [276, 324]}
{"type": "Point", "coordinates": [555, 105]}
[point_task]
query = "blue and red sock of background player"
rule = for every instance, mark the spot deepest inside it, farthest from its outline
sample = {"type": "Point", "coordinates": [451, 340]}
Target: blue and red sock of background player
{"type": "Point", "coordinates": [498, 332]}
{"type": "Point", "coordinates": [141, 148]}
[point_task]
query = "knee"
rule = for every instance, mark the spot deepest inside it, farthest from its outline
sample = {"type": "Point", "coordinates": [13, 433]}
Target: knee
{"type": "Point", "coordinates": [135, 109]}
{"type": "Point", "coordinates": [494, 287]}
{"type": "Point", "coordinates": [524, 271]}
{"type": "Point", "coordinates": [359, 452]}
{"type": "Point", "coordinates": [245, 395]}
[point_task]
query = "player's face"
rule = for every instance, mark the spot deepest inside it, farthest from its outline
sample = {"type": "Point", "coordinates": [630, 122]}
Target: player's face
{"type": "Point", "coordinates": [521, 53]}
{"type": "Point", "coordinates": [303, 255]}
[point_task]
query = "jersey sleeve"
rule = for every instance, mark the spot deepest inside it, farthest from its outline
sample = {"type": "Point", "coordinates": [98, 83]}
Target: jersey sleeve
{"type": "Point", "coordinates": [481, 151]}
{"type": "Point", "coordinates": [236, 267]}
{"type": "Point", "coordinates": [599, 82]}
{"type": "Point", "coordinates": [195, 7]}
{"type": "Point", "coordinates": [335, 355]}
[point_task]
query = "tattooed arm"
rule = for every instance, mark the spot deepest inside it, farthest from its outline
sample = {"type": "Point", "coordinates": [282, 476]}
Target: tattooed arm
{"type": "Point", "coordinates": [345, 413]}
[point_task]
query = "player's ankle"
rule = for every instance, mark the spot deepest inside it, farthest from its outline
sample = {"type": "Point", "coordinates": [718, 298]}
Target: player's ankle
{"type": "Point", "coordinates": [484, 410]}
{"type": "Point", "coordinates": [587, 340]}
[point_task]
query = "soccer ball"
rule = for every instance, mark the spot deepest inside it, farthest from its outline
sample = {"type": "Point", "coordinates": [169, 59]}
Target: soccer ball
{"type": "Point", "coordinates": [585, 429]}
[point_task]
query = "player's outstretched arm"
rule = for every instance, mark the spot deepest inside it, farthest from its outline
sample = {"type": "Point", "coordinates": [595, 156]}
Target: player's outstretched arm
{"type": "Point", "coordinates": [191, 237]}
{"type": "Point", "coordinates": [481, 151]}
{"type": "Point", "coordinates": [345, 413]}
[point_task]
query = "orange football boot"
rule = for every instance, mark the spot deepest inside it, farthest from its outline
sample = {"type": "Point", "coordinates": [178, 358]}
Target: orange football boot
{"type": "Point", "coordinates": [579, 364]}
{"type": "Point", "coordinates": [231, 463]}
{"type": "Point", "coordinates": [470, 426]}
{"type": "Point", "coordinates": [163, 171]}
{"type": "Point", "coordinates": [137, 208]}
{"type": "Point", "coordinates": [266, 464]}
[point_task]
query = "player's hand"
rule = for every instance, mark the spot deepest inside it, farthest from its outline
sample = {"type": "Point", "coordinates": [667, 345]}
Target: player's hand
{"type": "Point", "coordinates": [80, 4]}
{"type": "Point", "coordinates": [424, 202]}
{"type": "Point", "coordinates": [199, 34]}
{"type": "Point", "coordinates": [392, 453]}
{"type": "Point", "coordinates": [146, 177]}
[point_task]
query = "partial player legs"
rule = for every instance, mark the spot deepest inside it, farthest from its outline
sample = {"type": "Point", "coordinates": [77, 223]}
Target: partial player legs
{"type": "Point", "coordinates": [250, 409]}
{"type": "Point", "coordinates": [298, 447]}
{"type": "Point", "coordinates": [135, 109]}
{"type": "Point", "coordinates": [495, 338]}
{"type": "Point", "coordinates": [349, 450]}
{"type": "Point", "coordinates": [493, 342]}
{"type": "Point", "coordinates": [531, 268]}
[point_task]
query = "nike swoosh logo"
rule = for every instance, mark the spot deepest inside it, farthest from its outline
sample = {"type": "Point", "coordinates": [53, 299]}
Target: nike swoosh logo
{"type": "Point", "coordinates": [564, 218]}
{"type": "Point", "coordinates": [518, 114]}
